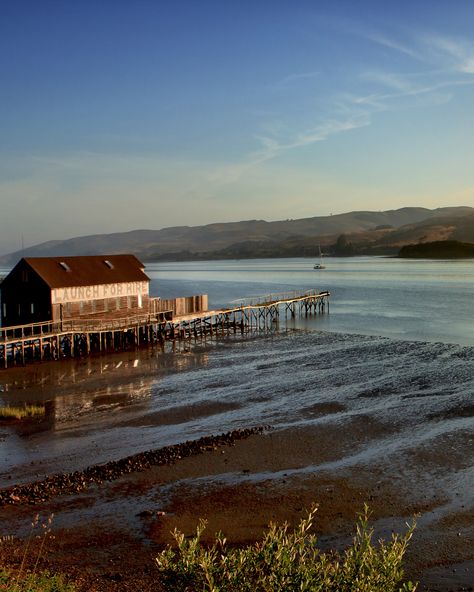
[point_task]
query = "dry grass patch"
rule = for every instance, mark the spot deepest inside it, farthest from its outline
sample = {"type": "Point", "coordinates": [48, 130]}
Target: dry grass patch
{"type": "Point", "coordinates": [21, 412]}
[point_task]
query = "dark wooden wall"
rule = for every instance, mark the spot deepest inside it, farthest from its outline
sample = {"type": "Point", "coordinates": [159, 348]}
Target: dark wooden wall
{"type": "Point", "coordinates": [26, 297]}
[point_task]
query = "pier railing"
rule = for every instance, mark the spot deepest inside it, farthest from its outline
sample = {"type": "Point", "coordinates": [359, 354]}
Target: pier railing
{"type": "Point", "coordinates": [265, 299]}
{"type": "Point", "coordinates": [85, 325]}
{"type": "Point", "coordinates": [32, 329]}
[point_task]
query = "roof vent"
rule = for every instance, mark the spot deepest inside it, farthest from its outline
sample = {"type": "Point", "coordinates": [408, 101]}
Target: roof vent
{"type": "Point", "coordinates": [109, 264]}
{"type": "Point", "coordinates": [64, 265]}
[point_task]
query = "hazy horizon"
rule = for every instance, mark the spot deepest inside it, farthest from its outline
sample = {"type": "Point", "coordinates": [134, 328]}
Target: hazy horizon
{"type": "Point", "coordinates": [122, 116]}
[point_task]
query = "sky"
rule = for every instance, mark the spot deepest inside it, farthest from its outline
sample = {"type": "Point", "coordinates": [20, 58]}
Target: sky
{"type": "Point", "coordinates": [119, 115]}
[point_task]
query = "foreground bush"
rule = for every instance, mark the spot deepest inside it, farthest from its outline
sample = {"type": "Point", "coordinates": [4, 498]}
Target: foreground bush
{"type": "Point", "coordinates": [286, 561]}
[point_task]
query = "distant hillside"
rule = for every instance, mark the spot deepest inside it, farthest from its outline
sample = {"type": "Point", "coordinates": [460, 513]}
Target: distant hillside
{"type": "Point", "coordinates": [438, 250]}
{"type": "Point", "coordinates": [367, 231]}
{"type": "Point", "coordinates": [436, 228]}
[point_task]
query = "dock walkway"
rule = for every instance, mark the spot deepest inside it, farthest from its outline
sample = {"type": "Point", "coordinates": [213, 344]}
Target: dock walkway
{"type": "Point", "coordinates": [69, 339]}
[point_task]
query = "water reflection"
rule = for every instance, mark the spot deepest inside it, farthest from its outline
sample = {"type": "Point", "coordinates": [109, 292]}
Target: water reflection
{"type": "Point", "coordinates": [92, 389]}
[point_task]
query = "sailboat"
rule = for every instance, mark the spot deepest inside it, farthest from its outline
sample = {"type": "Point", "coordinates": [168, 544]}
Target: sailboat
{"type": "Point", "coordinates": [320, 264]}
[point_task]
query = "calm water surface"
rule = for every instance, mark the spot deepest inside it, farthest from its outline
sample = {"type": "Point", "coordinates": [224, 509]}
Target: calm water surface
{"type": "Point", "coordinates": [415, 300]}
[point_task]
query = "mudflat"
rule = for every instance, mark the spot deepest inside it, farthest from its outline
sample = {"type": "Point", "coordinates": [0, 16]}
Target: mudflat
{"type": "Point", "coordinates": [403, 452]}
{"type": "Point", "coordinates": [106, 535]}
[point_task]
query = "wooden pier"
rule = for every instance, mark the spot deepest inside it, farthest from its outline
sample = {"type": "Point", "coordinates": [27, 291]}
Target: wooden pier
{"type": "Point", "coordinates": [70, 339]}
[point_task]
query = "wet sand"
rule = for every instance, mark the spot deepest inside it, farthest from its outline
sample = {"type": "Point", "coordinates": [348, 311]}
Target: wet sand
{"type": "Point", "coordinates": [108, 534]}
{"type": "Point", "coordinates": [337, 456]}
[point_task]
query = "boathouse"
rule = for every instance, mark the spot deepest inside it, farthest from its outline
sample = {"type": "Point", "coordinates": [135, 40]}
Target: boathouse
{"type": "Point", "coordinates": [55, 289]}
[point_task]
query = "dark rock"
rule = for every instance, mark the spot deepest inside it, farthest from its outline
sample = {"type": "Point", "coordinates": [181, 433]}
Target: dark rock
{"type": "Point", "coordinates": [67, 483]}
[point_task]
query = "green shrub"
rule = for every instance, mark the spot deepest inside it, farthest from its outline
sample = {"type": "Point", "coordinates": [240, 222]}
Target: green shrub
{"type": "Point", "coordinates": [286, 561]}
{"type": "Point", "coordinates": [43, 582]}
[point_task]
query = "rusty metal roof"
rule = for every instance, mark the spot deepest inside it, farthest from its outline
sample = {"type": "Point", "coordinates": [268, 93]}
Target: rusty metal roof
{"type": "Point", "coordinates": [64, 272]}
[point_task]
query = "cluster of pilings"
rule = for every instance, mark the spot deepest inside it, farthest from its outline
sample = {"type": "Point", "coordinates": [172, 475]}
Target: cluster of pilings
{"type": "Point", "coordinates": [48, 341]}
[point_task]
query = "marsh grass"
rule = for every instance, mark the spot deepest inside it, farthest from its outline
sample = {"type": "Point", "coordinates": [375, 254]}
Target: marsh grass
{"type": "Point", "coordinates": [27, 577]}
{"type": "Point", "coordinates": [21, 412]}
{"type": "Point", "coordinates": [287, 561]}
{"type": "Point", "coordinates": [43, 582]}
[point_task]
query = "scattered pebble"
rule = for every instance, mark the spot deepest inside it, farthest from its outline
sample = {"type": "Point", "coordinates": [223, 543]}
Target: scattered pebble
{"type": "Point", "coordinates": [67, 483]}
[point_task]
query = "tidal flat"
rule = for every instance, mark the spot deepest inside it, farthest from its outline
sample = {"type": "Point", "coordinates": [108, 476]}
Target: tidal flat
{"type": "Point", "coordinates": [351, 419]}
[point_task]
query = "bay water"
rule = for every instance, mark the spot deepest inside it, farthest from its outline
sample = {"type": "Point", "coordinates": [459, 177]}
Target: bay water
{"type": "Point", "coordinates": [404, 299]}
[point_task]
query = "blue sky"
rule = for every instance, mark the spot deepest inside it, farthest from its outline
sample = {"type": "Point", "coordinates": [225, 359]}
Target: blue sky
{"type": "Point", "coordinates": [123, 115]}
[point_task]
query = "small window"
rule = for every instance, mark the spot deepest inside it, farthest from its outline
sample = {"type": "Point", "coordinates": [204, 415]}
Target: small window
{"type": "Point", "coordinates": [24, 275]}
{"type": "Point", "coordinates": [140, 302]}
{"type": "Point", "coordinates": [32, 308]}
{"type": "Point", "coordinates": [19, 309]}
{"type": "Point", "coordinates": [64, 265]}
{"type": "Point", "coordinates": [4, 309]}
{"type": "Point", "coordinates": [109, 264]}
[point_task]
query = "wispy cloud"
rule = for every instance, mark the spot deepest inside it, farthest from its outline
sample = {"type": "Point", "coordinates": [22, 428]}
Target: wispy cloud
{"type": "Point", "coordinates": [273, 147]}
{"type": "Point", "coordinates": [459, 53]}
{"type": "Point", "coordinates": [432, 92]}
{"type": "Point", "coordinates": [449, 64]}
{"type": "Point", "coordinates": [396, 46]}
{"type": "Point", "coordinates": [298, 76]}
{"type": "Point", "coordinates": [399, 83]}
{"type": "Point", "coordinates": [447, 52]}
{"type": "Point", "coordinates": [445, 61]}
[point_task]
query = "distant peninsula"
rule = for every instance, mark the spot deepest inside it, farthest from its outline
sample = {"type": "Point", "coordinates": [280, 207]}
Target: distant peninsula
{"type": "Point", "coordinates": [448, 249]}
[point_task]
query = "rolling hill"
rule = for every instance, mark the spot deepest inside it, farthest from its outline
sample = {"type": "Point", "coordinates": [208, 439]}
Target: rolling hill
{"type": "Point", "coordinates": [369, 232]}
